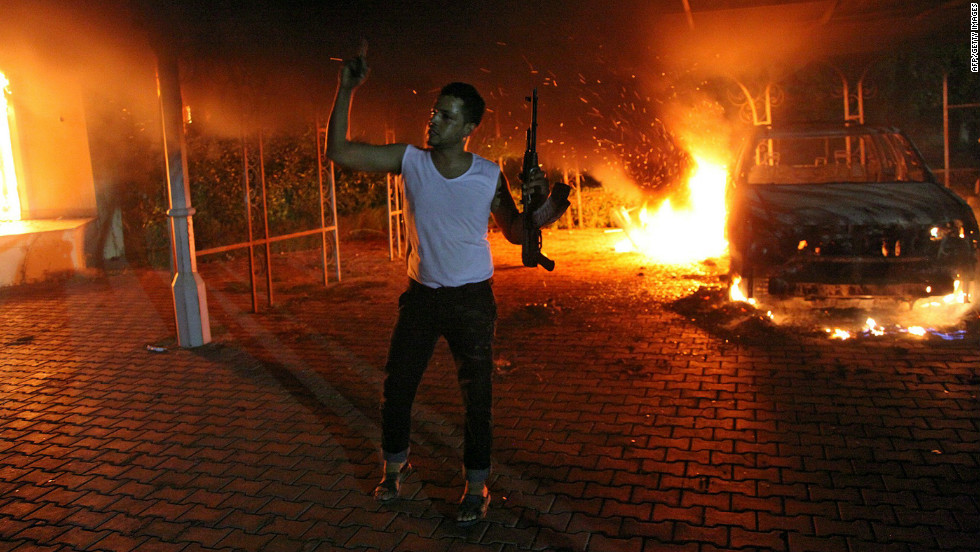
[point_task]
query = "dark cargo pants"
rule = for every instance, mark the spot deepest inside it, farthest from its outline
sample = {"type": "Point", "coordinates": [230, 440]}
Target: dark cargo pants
{"type": "Point", "coordinates": [466, 317]}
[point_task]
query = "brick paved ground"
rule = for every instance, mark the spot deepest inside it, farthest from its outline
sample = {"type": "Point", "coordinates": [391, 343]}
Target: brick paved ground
{"type": "Point", "coordinates": [620, 423]}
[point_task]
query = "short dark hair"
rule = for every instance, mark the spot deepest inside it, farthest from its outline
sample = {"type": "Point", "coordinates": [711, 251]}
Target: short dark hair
{"type": "Point", "coordinates": [473, 104]}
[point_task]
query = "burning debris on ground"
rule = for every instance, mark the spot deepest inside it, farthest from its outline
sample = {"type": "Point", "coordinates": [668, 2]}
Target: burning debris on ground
{"type": "Point", "coordinates": [854, 323]}
{"type": "Point", "coordinates": [711, 309]}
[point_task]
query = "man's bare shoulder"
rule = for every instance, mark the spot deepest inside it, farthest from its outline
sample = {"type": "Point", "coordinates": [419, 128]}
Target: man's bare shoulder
{"type": "Point", "coordinates": [361, 156]}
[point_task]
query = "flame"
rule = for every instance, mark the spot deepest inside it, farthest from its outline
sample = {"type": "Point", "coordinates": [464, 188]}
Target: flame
{"type": "Point", "coordinates": [943, 311]}
{"type": "Point", "coordinates": [736, 294]}
{"type": "Point", "coordinates": [957, 297]}
{"type": "Point", "coordinates": [873, 328]}
{"type": "Point", "coordinates": [682, 235]}
{"type": "Point", "coordinates": [9, 200]}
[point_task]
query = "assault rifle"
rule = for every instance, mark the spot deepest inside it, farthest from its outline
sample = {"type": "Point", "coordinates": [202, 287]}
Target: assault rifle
{"type": "Point", "coordinates": [539, 208]}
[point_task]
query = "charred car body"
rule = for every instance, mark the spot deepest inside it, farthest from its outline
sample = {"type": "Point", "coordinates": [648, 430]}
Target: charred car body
{"type": "Point", "coordinates": [842, 212]}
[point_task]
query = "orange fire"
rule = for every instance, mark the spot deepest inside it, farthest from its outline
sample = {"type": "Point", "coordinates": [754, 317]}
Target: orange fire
{"type": "Point", "coordinates": [735, 292]}
{"type": "Point", "coordinates": [9, 200]}
{"type": "Point", "coordinates": [681, 234]}
{"type": "Point", "coordinates": [874, 329]}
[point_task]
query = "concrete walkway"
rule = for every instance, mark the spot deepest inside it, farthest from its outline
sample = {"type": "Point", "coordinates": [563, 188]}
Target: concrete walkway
{"type": "Point", "coordinates": [624, 420]}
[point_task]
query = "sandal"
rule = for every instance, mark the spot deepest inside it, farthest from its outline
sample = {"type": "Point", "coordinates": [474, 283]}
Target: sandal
{"type": "Point", "coordinates": [388, 489]}
{"type": "Point", "coordinates": [472, 508]}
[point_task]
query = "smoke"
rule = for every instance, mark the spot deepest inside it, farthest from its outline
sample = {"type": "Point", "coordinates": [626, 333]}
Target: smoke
{"type": "Point", "coordinates": [743, 42]}
{"type": "Point", "coordinates": [615, 179]}
{"type": "Point", "coordinates": [623, 82]}
{"type": "Point", "coordinates": [91, 47]}
{"type": "Point", "coordinates": [704, 73]}
{"type": "Point", "coordinates": [85, 60]}
{"type": "Point", "coordinates": [683, 98]}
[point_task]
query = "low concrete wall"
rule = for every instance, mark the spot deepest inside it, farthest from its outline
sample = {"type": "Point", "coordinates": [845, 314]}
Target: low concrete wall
{"type": "Point", "coordinates": [36, 250]}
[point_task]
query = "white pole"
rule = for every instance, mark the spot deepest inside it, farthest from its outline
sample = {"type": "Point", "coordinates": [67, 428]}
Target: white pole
{"type": "Point", "coordinates": [190, 299]}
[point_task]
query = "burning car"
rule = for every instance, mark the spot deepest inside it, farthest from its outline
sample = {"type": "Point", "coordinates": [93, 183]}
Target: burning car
{"type": "Point", "coordinates": [845, 212]}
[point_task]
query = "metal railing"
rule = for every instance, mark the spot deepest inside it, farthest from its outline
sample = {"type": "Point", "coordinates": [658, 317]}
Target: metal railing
{"type": "Point", "coordinates": [266, 240]}
{"type": "Point", "coordinates": [397, 235]}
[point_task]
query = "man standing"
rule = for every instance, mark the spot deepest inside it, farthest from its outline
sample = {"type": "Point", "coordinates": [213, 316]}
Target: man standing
{"type": "Point", "coordinates": [450, 194]}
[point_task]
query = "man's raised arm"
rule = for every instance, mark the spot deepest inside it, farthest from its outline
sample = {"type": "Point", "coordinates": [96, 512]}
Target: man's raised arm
{"type": "Point", "coordinates": [357, 155]}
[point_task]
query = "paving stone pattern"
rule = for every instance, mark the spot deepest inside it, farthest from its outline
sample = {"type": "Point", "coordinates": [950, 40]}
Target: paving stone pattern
{"type": "Point", "coordinates": [621, 425]}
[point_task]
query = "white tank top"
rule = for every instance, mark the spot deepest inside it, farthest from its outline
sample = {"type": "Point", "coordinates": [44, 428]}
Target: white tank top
{"type": "Point", "coordinates": [447, 220]}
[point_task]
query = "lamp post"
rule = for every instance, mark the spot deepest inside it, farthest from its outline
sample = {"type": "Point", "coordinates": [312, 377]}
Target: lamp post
{"type": "Point", "coordinates": [190, 298]}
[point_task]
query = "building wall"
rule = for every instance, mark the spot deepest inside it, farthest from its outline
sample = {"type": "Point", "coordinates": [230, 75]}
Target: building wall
{"type": "Point", "coordinates": [50, 145]}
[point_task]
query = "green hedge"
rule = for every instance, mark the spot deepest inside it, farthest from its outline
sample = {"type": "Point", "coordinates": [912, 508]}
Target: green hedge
{"type": "Point", "coordinates": [215, 166]}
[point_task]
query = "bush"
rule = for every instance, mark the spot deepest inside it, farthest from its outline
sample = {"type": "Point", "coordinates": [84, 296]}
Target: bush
{"type": "Point", "coordinates": [597, 207]}
{"type": "Point", "coordinates": [292, 189]}
{"type": "Point", "coordinates": [216, 168]}
{"type": "Point", "coordinates": [129, 175]}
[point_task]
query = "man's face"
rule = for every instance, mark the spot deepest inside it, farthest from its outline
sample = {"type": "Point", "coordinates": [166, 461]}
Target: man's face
{"type": "Point", "coordinates": [446, 123]}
